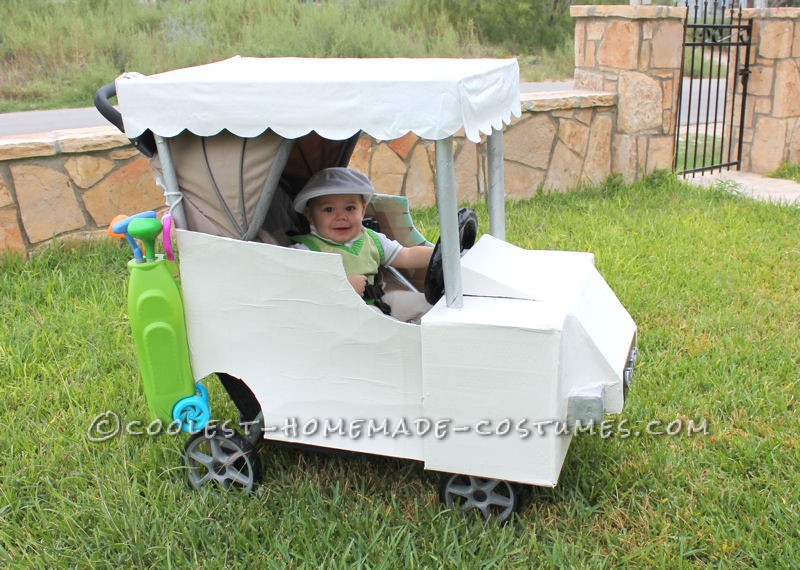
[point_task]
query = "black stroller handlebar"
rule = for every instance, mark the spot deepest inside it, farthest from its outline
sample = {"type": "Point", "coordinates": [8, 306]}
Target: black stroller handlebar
{"type": "Point", "coordinates": [106, 109]}
{"type": "Point", "coordinates": [145, 143]}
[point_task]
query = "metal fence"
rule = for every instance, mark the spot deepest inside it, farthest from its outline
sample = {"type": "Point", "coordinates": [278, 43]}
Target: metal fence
{"type": "Point", "coordinates": [711, 109]}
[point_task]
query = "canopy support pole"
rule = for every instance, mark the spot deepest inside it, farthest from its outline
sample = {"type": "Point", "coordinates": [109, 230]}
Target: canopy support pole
{"type": "Point", "coordinates": [447, 204]}
{"type": "Point", "coordinates": [497, 214]}
{"type": "Point", "coordinates": [172, 191]}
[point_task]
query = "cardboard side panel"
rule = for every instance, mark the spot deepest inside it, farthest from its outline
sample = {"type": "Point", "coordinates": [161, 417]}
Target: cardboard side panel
{"type": "Point", "coordinates": [496, 381]}
{"type": "Point", "coordinates": [323, 365]}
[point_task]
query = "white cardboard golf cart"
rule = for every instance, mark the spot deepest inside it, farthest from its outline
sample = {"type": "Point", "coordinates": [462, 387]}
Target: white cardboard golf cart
{"type": "Point", "coordinates": [522, 342]}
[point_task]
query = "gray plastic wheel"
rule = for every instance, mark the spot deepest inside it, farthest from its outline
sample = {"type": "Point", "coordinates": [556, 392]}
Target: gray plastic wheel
{"type": "Point", "coordinates": [493, 498]}
{"type": "Point", "coordinates": [224, 457]}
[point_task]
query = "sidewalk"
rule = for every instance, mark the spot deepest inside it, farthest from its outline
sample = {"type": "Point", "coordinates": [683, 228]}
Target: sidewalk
{"type": "Point", "coordinates": [753, 185]}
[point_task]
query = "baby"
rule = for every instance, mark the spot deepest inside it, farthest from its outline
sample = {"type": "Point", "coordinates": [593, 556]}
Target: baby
{"type": "Point", "coordinates": [334, 201]}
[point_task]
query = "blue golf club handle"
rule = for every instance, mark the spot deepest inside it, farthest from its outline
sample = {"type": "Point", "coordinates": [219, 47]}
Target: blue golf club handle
{"type": "Point", "coordinates": [121, 227]}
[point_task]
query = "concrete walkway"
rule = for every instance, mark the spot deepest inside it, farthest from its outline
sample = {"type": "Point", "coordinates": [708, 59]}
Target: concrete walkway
{"type": "Point", "coordinates": [753, 185]}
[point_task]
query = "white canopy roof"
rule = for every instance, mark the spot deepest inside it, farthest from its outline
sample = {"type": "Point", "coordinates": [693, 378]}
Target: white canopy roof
{"type": "Point", "coordinates": [386, 98]}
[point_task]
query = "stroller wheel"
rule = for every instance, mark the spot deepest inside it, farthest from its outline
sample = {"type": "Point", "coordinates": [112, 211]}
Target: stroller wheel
{"type": "Point", "coordinates": [494, 499]}
{"type": "Point", "coordinates": [223, 456]}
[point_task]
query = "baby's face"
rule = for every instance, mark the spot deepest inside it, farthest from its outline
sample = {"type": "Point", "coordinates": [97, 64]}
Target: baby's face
{"type": "Point", "coordinates": [337, 217]}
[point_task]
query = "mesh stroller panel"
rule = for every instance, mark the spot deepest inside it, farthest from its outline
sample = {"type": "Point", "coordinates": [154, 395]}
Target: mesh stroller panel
{"type": "Point", "coordinates": [227, 182]}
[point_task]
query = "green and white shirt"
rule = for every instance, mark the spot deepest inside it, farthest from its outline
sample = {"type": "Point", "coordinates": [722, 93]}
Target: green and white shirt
{"type": "Point", "coordinates": [361, 256]}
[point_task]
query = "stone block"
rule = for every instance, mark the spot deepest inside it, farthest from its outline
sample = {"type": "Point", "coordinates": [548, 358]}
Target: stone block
{"type": "Point", "coordinates": [667, 45]}
{"type": "Point", "coordinates": [647, 30]}
{"type": "Point", "coordinates": [594, 30]}
{"type": "Point", "coordinates": [404, 144]}
{"type": "Point", "coordinates": [590, 56]}
{"type": "Point", "coordinates": [362, 153]}
{"type": "Point", "coordinates": [667, 122]}
{"type": "Point", "coordinates": [28, 146]}
{"type": "Point", "coordinates": [640, 100]}
{"type": "Point", "coordinates": [419, 187]}
{"type": "Point", "coordinates": [123, 154]}
{"type": "Point", "coordinates": [794, 143]}
{"type": "Point", "coordinates": [796, 40]}
{"type": "Point", "coordinates": [769, 140]}
{"type": "Point", "coordinates": [531, 142]}
{"type": "Point", "coordinates": [387, 171]}
{"type": "Point", "coordinates": [10, 234]}
{"type": "Point", "coordinates": [565, 169]}
{"type": "Point", "coordinates": [127, 190]}
{"type": "Point", "coordinates": [584, 116]}
{"type": "Point", "coordinates": [775, 38]}
{"type": "Point", "coordinates": [610, 84]}
{"type": "Point", "coordinates": [585, 79]}
{"type": "Point", "coordinates": [745, 161]}
{"type": "Point", "coordinates": [641, 150]}
{"type": "Point", "coordinates": [763, 105]}
{"type": "Point", "coordinates": [668, 95]}
{"type": "Point", "coordinates": [624, 157]}
{"type": "Point", "coordinates": [466, 166]}
{"type": "Point", "coordinates": [90, 139]}
{"type": "Point", "coordinates": [628, 11]}
{"type": "Point", "coordinates": [5, 195]}
{"type": "Point", "coordinates": [521, 181]}
{"type": "Point", "coordinates": [574, 135]}
{"type": "Point", "coordinates": [787, 89]}
{"type": "Point", "coordinates": [619, 47]}
{"type": "Point", "coordinates": [47, 203]}
{"type": "Point", "coordinates": [86, 171]}
{"type": "Point", "coordinates": [580, 45]}
{"type": "Point", "coordinates": [597, 165]}
{"type": "Point", "coordinates": [660, 153]}
{"type": "Point", "coordinates": [644, 56]}
{"type": "Point", "coordinates": [760, 82]}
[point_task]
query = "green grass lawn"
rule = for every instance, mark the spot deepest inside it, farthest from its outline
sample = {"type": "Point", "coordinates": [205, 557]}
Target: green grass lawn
{"type": "Point", "coordinates": [712, 282]}
{"type": "Point", "coordinates": [56, 54]}
{"type": "Point", "coordinates": [788, 171]}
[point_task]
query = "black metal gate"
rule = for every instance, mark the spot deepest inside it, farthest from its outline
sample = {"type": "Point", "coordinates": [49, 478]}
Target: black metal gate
{"type": "Point", "coordinates": [713, 91]}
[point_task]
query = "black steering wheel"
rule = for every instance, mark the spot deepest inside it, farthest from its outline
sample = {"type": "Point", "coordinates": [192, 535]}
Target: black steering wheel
{"type": "Point", "coordinates": [434, 277]}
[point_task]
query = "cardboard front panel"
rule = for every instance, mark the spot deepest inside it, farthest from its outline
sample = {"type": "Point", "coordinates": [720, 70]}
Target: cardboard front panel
{"type": "Point", "coordinates": [600, 332]}
{"type": "Point", "coordinates": [495, 378]}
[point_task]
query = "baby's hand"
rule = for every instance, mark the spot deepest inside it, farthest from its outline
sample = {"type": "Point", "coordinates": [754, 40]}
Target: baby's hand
{"type": "Point", "coordinates": [359, 283]}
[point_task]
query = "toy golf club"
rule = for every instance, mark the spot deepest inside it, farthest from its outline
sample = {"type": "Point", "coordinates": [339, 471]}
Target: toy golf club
{"type": "Point", "coordinates": [146, 229]}
{"type": "Point", "coordinates": [121, 228]}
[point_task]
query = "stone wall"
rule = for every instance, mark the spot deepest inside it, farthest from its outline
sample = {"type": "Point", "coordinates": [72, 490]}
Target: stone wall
{"type": "Point", "coordinates": [72, 183]}
{"type": "Point", "coordinates": [620, 119]}
{"type": "Point", "coordinates": [771, 134]}
{"type": "Point", "coordinates": [634, 51]}
{"type": "Point", "coordinates": [69, 183]}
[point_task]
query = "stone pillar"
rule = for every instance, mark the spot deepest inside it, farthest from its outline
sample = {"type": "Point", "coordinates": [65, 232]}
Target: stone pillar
{"type": "Point", "coordinates": [634, 51]}
{"type": "Point", "coordinates": [771, 134]}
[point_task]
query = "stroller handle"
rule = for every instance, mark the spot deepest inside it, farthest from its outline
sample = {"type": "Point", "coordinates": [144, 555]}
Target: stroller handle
{"type": "Point", "coordinates": [145, 143]}
{"type": "Point", "coordinates": [105, 108]}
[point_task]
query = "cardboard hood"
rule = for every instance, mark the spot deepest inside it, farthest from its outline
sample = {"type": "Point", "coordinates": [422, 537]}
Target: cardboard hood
{"type": "Point", "coordinates": [567, 281]}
